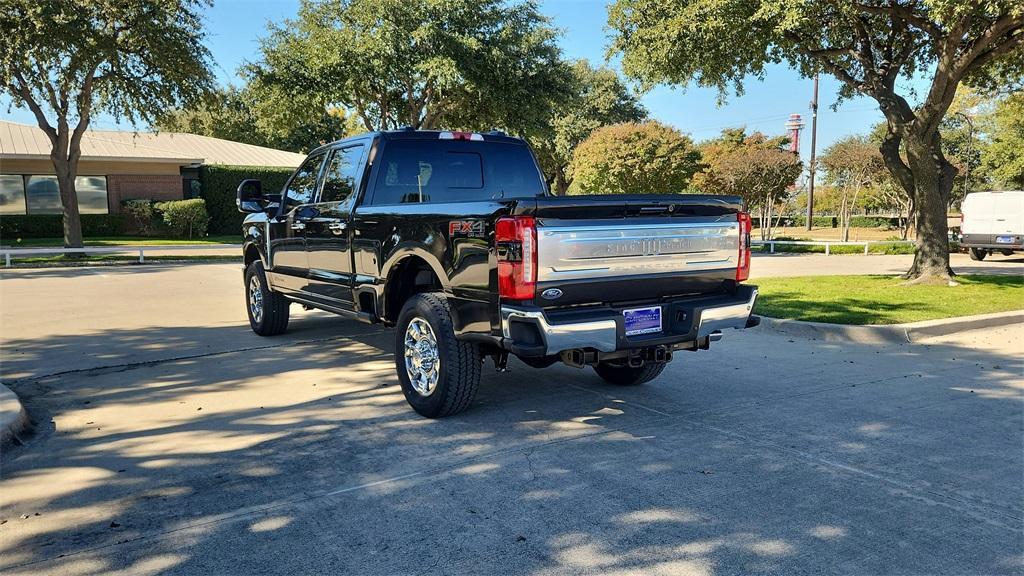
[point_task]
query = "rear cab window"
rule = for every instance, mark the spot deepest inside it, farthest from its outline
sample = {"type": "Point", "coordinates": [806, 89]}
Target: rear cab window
{"type": "Point", "coordinates": [437, 171]}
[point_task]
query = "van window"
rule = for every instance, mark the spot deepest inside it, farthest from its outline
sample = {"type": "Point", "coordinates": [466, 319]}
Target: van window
{"type": "Point", "coordinates": [432, 171]}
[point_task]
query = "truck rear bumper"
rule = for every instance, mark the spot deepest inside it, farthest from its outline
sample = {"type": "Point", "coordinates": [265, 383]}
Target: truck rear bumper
{"type": "Point", "coordinates": [529, 331]}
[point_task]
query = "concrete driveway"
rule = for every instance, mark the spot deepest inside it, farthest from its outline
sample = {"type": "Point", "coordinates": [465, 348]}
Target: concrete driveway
{"type": "Point", "coordinates": [170, 440]}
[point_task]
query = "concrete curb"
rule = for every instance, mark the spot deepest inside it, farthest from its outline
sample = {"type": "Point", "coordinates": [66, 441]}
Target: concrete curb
{"type": "Point", "coordinates": [892, 333]}
{"type": "Point", "coordinates": [13, 418]}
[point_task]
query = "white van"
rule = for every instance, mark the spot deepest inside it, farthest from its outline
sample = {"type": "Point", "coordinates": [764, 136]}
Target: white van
{"type": "Point", "coordinates": [992, 222]}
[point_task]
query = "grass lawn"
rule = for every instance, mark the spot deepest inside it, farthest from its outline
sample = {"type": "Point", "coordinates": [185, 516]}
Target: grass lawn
{"type": "Point", "coordinates": [121, 241]}
{"type": "Point", "coordinates": [883, 299]}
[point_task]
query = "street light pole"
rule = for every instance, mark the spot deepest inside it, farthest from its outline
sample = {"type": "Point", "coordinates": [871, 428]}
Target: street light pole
{"type": "Point", "coordinates": [814, 166]}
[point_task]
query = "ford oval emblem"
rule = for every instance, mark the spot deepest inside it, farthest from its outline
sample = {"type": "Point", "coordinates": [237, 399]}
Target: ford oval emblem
{"type": "Point", "coordinates": [551, 294]}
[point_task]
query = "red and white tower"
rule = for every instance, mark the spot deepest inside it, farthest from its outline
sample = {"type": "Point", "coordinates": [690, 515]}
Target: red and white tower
{"type": "Point", "coordinates": [794, 125]}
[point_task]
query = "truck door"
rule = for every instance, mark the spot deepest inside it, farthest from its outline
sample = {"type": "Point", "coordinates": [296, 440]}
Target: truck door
{"type": "Point", "coordinates": [328, 236]}
{"type": "Point", "coordinates": [288, 259]}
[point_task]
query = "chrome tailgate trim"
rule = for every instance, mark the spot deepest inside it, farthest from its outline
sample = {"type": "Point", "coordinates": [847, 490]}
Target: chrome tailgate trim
{"type": "Point", "coordinates": [620, 249]}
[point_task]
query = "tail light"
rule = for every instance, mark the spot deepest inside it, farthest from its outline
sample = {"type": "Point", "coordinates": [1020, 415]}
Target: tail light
{"type": "Point", "coordinates": [516, 242]}
{"type": "Point", "coordinates": [743, 263]}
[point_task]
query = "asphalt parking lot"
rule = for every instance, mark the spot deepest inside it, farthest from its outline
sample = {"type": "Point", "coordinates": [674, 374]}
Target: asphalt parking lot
{"type": "Point", "coordinates": [171, 440]}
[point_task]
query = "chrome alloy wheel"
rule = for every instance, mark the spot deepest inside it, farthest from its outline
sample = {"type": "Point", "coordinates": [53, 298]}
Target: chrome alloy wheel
{"type": "Point", "coordinates": [422, 362]}
{"type": "Point", "coordinates": [255, 299]}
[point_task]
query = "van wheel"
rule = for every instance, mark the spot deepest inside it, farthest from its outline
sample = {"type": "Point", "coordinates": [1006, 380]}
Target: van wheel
{"type": "Point", "coordinates": [978, 253]}
{"type": "Point", "coordinates": [622, 375]}
{"type": "Point", "coordinates": [439, 374]}
{"type": "Point", "coordinates": [268, 310]}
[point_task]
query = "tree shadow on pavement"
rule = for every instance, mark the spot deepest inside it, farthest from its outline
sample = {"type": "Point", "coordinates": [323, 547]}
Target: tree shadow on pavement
{"type": "Point", "coordinates": [767, 454]}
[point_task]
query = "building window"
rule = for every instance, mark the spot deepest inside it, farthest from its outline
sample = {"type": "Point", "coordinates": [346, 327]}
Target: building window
{"type": "Point", "coordinates": [12, 195]}
{"type": "Point", "coordinates": [42, 194]}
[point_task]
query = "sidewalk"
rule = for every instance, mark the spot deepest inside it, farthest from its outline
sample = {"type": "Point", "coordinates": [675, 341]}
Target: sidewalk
{"type": "Point", "coordinates": [780, 264]}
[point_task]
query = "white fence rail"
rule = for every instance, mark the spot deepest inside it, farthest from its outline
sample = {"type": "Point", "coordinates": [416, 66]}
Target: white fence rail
{"type": "Point", "coordinates": [8, 252]}
{"type": "Point", "coordinates": [828, 244]}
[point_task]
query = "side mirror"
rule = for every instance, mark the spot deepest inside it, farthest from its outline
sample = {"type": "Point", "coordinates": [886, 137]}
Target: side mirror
{"type": "Point", "coordinates": [250, 197]}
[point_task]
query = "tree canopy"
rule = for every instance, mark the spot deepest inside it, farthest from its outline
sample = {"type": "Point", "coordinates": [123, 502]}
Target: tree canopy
{"type": "Point", "coordinates": [632, 158]}
{"type": "Point", "coordinates": [243, 115]}
{"type": "Point", "coordinates": [419, 63]}
{"type": "Point", "coordinates": [867, 44]}
{"type": "Point", "coordinates": [66, 61]}
{"type": "Point", "coordinates": [1004, 155]}
{"type": "Point", "coordinates": [852, 165]}
{"type": "Point", "coordinates": [598, 97]}
{"type": "Point", "coordinates": [753, 166]}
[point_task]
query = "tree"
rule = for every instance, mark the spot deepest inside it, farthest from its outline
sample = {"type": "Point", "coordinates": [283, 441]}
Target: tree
{"type": "Point", "coordinates": [419, 63]}
{"type": "Point", "coordinates": [1004, 157]}
{"type": "Point", "coordinates": [851, 164]}
{"type": "Point", "coordinates": [76, 59]}
{"type": "Point", "coordinates": [753, 167]}
{"type": "Point", "coordinates": [631, 158]}
{"type": "Point", "coordinates": [249, 116]}
{"type": "Point", "coordinates": [867, 44]}
{"type": "Point", "coordinates": [598, 98]}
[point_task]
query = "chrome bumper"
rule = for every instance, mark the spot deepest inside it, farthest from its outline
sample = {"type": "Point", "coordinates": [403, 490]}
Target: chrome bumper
{"type": "Point", "coordinates": [719, 318]}
{"type": "Point", "coordinates": [603, 334]}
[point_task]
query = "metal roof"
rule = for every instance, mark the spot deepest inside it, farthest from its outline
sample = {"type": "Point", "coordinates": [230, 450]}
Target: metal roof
{"type": "Point", "coordinates": [24, 142]}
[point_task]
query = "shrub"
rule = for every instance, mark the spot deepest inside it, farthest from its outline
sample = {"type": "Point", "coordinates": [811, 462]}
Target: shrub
{"type": "Point", "coordinates": [15, 226]}
{"type": "Point", "coordinates": [140, 216]}
{"type": "Point", "coordinates": [185, 218]}
{"type": "Point", "coordinates": [219, 185]}
{"type": "Point", "coordinates": [631, 158]}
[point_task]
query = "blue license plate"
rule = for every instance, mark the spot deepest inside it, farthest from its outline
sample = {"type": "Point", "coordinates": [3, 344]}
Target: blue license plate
{"type": "Point", "coordinates": [642, 320]}
{"type": "Point", "coordinates": [1004, 239]}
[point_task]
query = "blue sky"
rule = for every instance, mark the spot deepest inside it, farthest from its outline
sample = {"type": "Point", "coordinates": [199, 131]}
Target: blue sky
{"type": "Point", "coordinates": [234, 27]}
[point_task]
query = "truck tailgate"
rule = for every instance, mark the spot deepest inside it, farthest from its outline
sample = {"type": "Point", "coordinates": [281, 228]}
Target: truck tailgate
{"type": "Point", "coordinates": [635, 250]}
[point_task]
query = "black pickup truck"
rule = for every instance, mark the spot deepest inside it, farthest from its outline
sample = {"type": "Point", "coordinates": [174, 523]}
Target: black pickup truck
{"type": "Point", "coordinates": [453, 238]}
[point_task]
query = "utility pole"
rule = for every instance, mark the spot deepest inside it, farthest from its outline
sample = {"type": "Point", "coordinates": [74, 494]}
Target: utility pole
{"type": "Point", "coordinates": [814, 165]}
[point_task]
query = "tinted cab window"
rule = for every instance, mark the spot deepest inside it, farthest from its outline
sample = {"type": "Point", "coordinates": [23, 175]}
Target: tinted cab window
{"type": "Point", "coordinates": [302, 186]}
{"type": "Point", "coordinates": [432, 171]}
{"type": "Point", "coordinates": [342, 174]}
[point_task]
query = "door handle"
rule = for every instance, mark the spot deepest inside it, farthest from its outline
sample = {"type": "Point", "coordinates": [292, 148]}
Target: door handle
{"type": "Point", "coordinates": [337, 227]}
{"type": "Point", "coordinates": [298, 225]}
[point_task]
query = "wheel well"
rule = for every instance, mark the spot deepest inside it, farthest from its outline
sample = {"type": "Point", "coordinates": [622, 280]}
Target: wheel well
{"type": "Point", "coordinates": [252, 254]}
{"type": "Point", "coordinates": [408, 278]}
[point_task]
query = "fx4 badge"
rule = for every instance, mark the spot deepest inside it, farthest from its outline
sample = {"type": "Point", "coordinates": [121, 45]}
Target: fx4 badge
{"type": "Point", "coordinates": [470, 228]}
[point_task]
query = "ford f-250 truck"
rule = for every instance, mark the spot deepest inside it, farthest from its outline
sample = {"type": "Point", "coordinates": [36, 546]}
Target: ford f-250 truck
{"type": "Point", "coordinates": [453, 238]}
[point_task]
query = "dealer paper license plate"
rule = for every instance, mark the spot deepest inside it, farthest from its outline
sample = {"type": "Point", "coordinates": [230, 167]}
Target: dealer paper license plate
{"type": "Point", "coordinates": [642, 320]}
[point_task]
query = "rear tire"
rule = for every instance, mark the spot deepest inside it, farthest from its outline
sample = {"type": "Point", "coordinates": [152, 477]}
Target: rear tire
{"type": "Point", "coordinates": [978, 254]}
{"type": "Point", "coordinates": [268, 310]}
{"type": "Point", "coordinates": [627, 376]}
{"type": "Point", "coordinates": [439, 374]}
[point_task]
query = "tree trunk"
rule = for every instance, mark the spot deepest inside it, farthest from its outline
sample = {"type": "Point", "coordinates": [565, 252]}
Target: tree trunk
{"type": "Point", "coordinates": [68, 199]}
{"type": "Point", "coordinates": [933, 186]}
{"type": "Point", "coordinates": [561, 182]}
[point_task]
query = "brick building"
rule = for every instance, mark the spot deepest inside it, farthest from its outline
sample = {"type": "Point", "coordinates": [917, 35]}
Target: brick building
{"type": "Point", "coordinates": [116, 166]}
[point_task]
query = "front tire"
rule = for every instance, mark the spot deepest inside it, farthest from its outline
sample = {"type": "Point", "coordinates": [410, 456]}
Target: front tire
{"type": "Point", "coordinates": [268, 310]}
{"type": "Point", "coordinates": [439, 374]}
{"type": "Point", "coordinates": [622, 375]}
{"type": "Point", "coordinates": [978, 254]}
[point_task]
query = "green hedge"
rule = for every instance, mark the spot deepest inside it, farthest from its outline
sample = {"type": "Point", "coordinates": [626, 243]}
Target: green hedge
{"type": "Point", "coordinates": [219, 185]}
{"type": "Point", "coordinates": [13, 227]}
{"type": "Point", "coordinates": [184, 218]}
